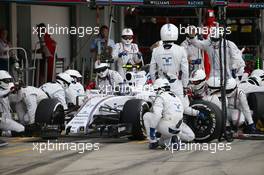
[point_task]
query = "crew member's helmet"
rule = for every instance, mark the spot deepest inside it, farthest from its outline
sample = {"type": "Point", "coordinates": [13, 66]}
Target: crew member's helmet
{"type": "Point", "coordinates": [64, 79]}
{"type": "Point", "coordinates": [198, 81]}
{"type": "Point", "coordinates": [101, 69]}
{"type": "Point", "coordinates": [74, 74]}
{"type": "Point", "coordinates": [169, 32]}
{"type": "Point", "coordinates": [6, 80]}
{"type": "Point", "coordinates": [214, 85]}
{"type": "Point", "coordinates": [161, 84]}
{"type": "Point", "coordinates": [127, 36]}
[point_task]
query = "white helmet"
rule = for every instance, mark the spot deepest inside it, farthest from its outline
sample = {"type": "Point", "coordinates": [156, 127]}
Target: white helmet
{"type": "Point", "coordinates": [197, 81]}
{"type": "Point", "coordinates": [127, 36]}
{"type": "Point", "coordinates": [74, 74]}
{"type": "Point", "coordinates": [101, 69]}
{"type": "Point", "coordinates": [258, 73]}
{"type": "Point", "coordinates": [169, 32]}
{"type": "Point", "coordinates": [64, 79]}
{"type": "Point", "coordinates": [231, 86]}
{"type": "Point", "coordinates": [255, 80]}
{"type": "Point", "coordinates": [214, 85]}
{"type": "Point", "coordinates": [161, 84]}
{"type": "Point", "coordinates": [6, 80]}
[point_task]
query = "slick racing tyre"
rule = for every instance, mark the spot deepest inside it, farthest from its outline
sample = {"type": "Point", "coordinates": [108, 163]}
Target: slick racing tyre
{"type": "Point", "coordinates": [132, 113]}
{"type": "Point", "coordinates": [256, 104]}
{"type": "Point", "coordinates": [50, 117]}
{"type": "Point", "coordinates": [210, 128]}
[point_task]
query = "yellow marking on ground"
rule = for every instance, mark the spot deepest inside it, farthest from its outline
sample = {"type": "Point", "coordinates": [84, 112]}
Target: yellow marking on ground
{"type": "Point", "coordinates": [140, 142]}
{"type": "Point", "coordinates": [6, 152]}
{"type": "Point", "coordinates": [21, 139]}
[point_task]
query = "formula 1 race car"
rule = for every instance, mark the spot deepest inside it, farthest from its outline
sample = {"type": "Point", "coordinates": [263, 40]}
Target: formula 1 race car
{"type": "Point", "coordinates": [120, 114]}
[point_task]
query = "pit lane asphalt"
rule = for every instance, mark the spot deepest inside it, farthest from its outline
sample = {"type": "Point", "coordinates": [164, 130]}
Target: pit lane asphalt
{"type": "Point", "coordinates": [120, 156]}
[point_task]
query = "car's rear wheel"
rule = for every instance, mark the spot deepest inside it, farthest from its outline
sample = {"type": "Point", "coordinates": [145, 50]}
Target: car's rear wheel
{"type": "Point", "coordinates": [256, 104]}
{"type": "Point", "coordinates": [132, 113]}
{"type": "Point", "coordinates": [209, 129]}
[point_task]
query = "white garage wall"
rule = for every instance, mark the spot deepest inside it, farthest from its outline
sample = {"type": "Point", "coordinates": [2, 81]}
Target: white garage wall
{"type": "Point", "coordinates": [53, 15]}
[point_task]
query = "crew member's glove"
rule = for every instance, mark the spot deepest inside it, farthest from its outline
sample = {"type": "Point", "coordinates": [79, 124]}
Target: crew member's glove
{"type": "Point", "coordinates": [201, 116]}
{"type": "Point", "coordinates": [124, 53]}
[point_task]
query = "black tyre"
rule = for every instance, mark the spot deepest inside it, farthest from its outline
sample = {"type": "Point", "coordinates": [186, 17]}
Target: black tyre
{"type": "Point", "coordinates": [50, 112]}
{"type": "Point", "coordinates": [133, 112]}
{"type": "Point", "coordinates": [256, 104]}
{"type": "Point", "coordinates": [209, 129]}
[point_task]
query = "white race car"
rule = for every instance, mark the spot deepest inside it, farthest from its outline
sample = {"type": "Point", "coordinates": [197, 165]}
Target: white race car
{"type": "Point", "coordinates": [121, 113]}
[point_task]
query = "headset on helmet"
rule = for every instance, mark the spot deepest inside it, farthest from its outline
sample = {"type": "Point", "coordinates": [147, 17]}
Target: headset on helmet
{"type": "Point", "coordinates": [6, 80]}
{"type": "Point", "coordinates": [64, 78]}
{"type": "Point", "coordinates": [127, 36]}
{"type": "Point", "coordinates": [169, 32]}
{"type": "Point", "coordinates": [161, 84]}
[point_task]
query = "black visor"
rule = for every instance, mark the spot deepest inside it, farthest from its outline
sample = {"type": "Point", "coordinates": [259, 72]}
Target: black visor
{"type": "Point", "coordinates": [102, 69]}
{"type": "Point", "coordinates": [7, 80]}
{"type": "Point", "coordinates": [126, 37]}
{"type": "Point", "coordinates": [252, 80]}
{"type": "Point", "coordinates": [215, 39]}
{"type": "Point", "coordinates": [229, 91]}
{"type": "Point", "coordinates": [197, 82]}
